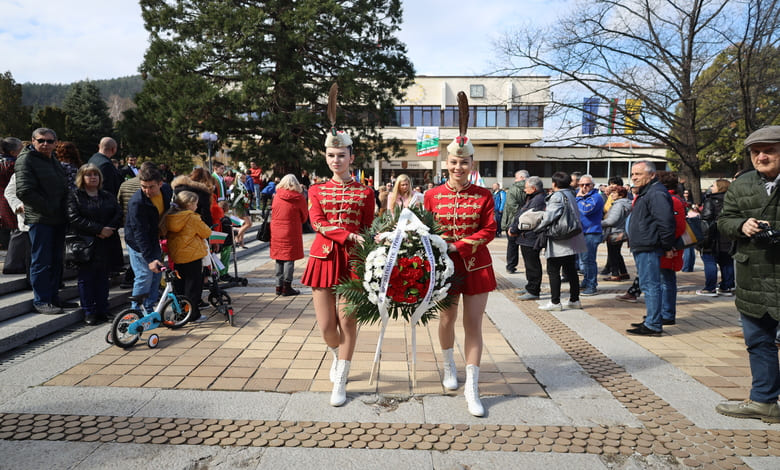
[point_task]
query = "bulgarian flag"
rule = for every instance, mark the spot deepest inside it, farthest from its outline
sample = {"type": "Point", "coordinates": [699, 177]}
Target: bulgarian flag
{"type": "Point", "coordinates": [235, 221]}
{"type": "Point", "coordinates": [218, 238]}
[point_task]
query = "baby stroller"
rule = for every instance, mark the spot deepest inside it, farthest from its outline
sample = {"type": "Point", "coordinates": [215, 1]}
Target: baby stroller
{"type": "Point", "coordinates": [218, 298]}
{"type": "Point", "coordinates": [226, 253]}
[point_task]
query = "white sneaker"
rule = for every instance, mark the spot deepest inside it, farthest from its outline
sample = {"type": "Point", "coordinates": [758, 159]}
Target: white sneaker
{"type": "Point", "coordinates": [551, 306]}
{"type": "Point", "coordinates": [572, 305]}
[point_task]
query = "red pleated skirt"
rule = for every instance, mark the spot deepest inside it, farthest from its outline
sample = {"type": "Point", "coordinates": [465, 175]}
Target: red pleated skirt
{"type": "Point", "coordinates": [327, 272]}
{"type": "Point", "coordinates": [471, 282]}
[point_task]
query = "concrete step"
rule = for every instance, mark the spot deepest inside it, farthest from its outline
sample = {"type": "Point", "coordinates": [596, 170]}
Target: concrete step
{"type": "Point", "coordinates": [20, 324]}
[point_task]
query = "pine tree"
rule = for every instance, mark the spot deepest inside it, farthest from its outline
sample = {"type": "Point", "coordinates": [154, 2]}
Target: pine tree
{"type": "Point", "coordinates": [88, 119]}
{"type": "Point", "coordinates": [257, 74]}
{"type": "Point", "coordinates": [14, 117]}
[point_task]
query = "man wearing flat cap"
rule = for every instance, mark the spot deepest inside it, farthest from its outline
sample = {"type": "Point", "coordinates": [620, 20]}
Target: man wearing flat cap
{"type": "Point", "coordinates": [750, 216]}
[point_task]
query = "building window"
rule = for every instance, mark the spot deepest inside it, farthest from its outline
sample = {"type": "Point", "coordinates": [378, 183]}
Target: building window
{"type": "Point", "coordinates": [403, 116]}
{"type": "Point", "coordinates": [426, 116]}
{"type": "Point", "coordinates": [487, 169]}
{"type": "Point", "coordinates": [526, 116]}
{"type": "Point", "coordinates": [451, 116]}
{"type": "Point", "coordinates": [477, 91]}
{"type": "Point", "coordinates": [490, 116]}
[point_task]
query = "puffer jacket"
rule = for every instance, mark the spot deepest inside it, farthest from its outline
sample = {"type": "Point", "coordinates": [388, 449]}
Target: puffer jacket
{"type": "Point", "coordinates": [534, 202]}
{"type": "Point", "coordinates": [288, 213]}
{"type": "Point", "coordinates": [651, 225]}
{"type": "Point", "coordinates": [515, 198]}
{"type": "Point", "coordinates": [554, 222]}
{"type": "Point", "coordinates": [42, 185]}
{"type": "Point", "coordinates": [615, 221]}
{"type": "Point", "coordinates": [186, 233]}
{"type": "Point", "coordinates": [142, 232]}
{"type": "Point", "coordinates": [758, 263]}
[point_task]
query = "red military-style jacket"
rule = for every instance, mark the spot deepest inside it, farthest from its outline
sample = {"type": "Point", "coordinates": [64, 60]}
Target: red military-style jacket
{"type": "Point", "coordinates": [335, 211]}
{"type": "Point", "coordinates": [467, 218]}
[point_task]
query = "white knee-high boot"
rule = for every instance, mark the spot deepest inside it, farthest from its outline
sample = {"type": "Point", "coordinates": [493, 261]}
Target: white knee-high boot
{"type": "Point", "coordinates": [339, 394]}
{"type": "Point", "coordinates": [471, 390]}
{"type": "Point", "coordinates": [335, 352]}
{"type": "Point", "coordinates": [450, 381]}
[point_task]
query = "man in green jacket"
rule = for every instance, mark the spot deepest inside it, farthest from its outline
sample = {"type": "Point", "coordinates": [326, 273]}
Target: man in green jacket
{"type": "Point", "coordinates": [515, 198]}
{"type": "Point", "coordinates": [751, 217]}
{"type": "Point", "coordinates": [41, 184]}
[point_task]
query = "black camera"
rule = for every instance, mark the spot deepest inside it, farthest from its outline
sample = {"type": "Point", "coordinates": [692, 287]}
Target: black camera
{"type": "Point", "coordinates": [767, 234]}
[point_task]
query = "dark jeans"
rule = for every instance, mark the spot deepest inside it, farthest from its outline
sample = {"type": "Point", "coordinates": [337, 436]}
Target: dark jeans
{"type": "Point", "coordinates": [47, 250]}
{"type": "Point", "coordinates": [93, 290]}
{"type": "Point", "coordinates": [190, 284]}
{"type": "Point", "coordinates": [762, 352]}
{"type": "Point", "coordinates": [533, 269]}
{"type": "Point", "coordinates": [569, 266]}
{"type": "Point", "coordinates": [615, 260]}
{"type": "Point", "coordinates": [284, 271]}
{"type": "Point", "coordinates": [512, 249]}
{"type": "Point", "coordinates": [713, 261]}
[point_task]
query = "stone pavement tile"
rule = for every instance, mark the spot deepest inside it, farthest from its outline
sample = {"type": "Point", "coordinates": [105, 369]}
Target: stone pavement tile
{"type": "Point", "coordinates": [176, 370]}
{"type": "Point", "coordinates": [99, 380]}
{"type": "Point", "coordinates": [195, 383]}
{"type": "Point", "coordinates": [117, 369]}
{"type": "Point", "coordinates": [131, 381]}
{"type": "Point", "coordinates": [229, 383]}
{"type": "Point", "coordinates": [207, 371]}
{"type": "Point", "coordinates": [167, 381]}
{"type": "Point", "coordinates": [66, 379]}
{"type": "Point", "coordinates": [146, 370]}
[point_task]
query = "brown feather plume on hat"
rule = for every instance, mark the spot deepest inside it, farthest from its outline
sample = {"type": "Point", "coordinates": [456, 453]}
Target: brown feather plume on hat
{"type": "Point", "coordinates": [462, 146]}
{"type": "Point", "coordinates": [335, 137]}
{"type": "Point", "coordinates": [333, 96]}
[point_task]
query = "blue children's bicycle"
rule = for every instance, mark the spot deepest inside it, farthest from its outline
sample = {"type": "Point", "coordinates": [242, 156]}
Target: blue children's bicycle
{"type": "Point", "coordinates": [172, 311]}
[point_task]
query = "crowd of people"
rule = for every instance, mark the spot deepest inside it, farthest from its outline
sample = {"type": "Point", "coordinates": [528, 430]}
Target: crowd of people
{"type": "Point", "coordinates": [51, 196]}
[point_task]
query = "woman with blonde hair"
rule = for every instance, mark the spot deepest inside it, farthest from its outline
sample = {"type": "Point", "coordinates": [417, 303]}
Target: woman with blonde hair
{"type": "Point", "coordinates": [403, 195]}
{"type": "Point", "coordinates": [288, 214]}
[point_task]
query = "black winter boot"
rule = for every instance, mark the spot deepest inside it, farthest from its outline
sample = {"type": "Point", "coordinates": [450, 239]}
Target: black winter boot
{"type": "Point", "coordinates": [288, 290]}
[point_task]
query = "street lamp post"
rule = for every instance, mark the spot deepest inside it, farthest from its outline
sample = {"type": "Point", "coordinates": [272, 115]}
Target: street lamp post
{"type": "Point", "coordinates": [210, 138]}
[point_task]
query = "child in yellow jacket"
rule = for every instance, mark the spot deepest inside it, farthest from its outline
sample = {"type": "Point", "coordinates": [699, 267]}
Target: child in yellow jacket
{"type": "Point", "coordinates": [186, 234]}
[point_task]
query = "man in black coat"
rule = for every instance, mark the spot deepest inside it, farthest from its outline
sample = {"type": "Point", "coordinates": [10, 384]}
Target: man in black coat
{"type": "Point", "coordinates": [526, 239]}
{"type": "Point", "coordinates": [112, 178]}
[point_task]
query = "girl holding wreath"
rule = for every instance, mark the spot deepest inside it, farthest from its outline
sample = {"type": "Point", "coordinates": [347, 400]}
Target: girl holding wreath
{"type": "Point", "coordinates": [338, 210]}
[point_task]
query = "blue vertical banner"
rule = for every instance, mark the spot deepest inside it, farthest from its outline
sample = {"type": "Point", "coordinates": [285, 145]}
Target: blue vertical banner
{"type": "Point", "coordinates": [590, 112]}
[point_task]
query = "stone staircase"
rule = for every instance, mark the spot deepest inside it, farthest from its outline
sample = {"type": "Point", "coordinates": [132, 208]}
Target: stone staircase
{"type": "Point", "coordinates": [20, 324]}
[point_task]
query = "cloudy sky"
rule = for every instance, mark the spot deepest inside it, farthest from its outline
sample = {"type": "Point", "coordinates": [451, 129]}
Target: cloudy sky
{"type": "Point", "coordinates": [62, 41]}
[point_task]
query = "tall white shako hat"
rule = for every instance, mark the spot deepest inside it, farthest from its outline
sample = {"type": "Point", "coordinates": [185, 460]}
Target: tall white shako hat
{"type": "Point", "coordinates": [461, 146]}
{"type": "Point", "coordinates": [335, 138]}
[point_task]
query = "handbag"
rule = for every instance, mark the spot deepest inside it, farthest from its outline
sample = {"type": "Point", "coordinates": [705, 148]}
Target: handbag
{"type": "Point", "coordinates": [264, 233]}
{"type": "Point", "coordinates": [569, 224]}
{"type": "Point", "coordinates": [616, 238]}
{"type": "Point", "coordinates": [692, 234]}
{"type": "Point", "coordinates": [79, 249]}
{"type": "Point", "coordinates": [17, 259]}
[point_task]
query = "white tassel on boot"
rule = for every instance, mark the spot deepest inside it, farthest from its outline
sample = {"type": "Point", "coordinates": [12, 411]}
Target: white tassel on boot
{"type": "Point", "coordinates": [339, 394]}
{"type": "Point", "coordinates": [335, 352]}
{"type": "Point", "coordinates": [450, 381]}
{"type": "Point", "coordinates": [471, 390]}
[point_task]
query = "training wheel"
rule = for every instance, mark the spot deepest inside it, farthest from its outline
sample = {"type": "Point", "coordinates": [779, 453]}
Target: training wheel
{"type": "Point", "coordinates": [109, 339]}
{"type": "Point", "coordinates": [153, 341]}
{"type": "Point", "coordinates": [244, 282]}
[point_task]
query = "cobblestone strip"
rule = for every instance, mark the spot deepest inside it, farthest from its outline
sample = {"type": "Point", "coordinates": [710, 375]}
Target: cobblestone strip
{"type": "Point", "coordinates": [412, 436]}
{"type": "Point", "coordinates": [667, 431]}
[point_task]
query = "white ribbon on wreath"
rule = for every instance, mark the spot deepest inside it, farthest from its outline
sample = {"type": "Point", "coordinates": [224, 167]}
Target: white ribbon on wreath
{"type": "Point", "coordinates": [406, 219]}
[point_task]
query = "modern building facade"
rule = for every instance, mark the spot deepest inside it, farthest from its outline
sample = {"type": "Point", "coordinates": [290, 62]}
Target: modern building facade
{"type": "Point", "coordinates": [506, 127]}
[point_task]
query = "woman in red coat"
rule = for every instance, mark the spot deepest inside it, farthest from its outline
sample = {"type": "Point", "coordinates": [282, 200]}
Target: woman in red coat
{"type": "Point", "coordinates": [288, 214]}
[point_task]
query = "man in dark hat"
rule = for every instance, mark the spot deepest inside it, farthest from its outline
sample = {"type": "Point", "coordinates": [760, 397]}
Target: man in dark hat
{"type": "Point", "coordinates": [751, 217]}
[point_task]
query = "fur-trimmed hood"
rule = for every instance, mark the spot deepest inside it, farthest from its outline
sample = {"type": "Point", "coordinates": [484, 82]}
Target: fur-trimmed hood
{"type": "Point", "coordinates": [184, 180]}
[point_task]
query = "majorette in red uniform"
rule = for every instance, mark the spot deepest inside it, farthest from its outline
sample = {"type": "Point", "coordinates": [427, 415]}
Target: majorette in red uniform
{"type": "Point", "coordinates": [465, 216]}
{"type": "Point", "coordinates": [466, 212]}
{"type": "Point", "coordinates": [338, 210]}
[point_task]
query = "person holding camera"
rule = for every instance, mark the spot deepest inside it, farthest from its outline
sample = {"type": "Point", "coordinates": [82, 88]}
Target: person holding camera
{"type": "Point", "coordinates": [751, 217]}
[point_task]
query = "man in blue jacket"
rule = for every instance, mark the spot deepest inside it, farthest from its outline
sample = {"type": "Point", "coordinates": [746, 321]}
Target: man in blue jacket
{"type": "Point", "coordinates": [142, 234]}
{"type": "Point", "coordinates": [591, 206]}
{"type": "Point", "coordinates": [499, 200]}
{"type": "Point", "coordinates": [651, 231]}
